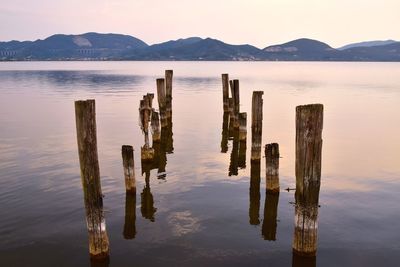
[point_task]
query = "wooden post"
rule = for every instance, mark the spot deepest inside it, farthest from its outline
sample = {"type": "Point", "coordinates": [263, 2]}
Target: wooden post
{"type": "Point", "coordinates": [254, 210]}
{"type": "Point", "coordinates": [231, 116]}
{"type": "Point", "coordinates": [309, 123]}
{"type": "Point", "coordinates": [130, 216]}
{"type": "Point", "coordinates": [302, 261]}
{"type": "Point", "coordinates": [242, 126]}
{"type": "Point", "coordinates": [129, 169]}
{"type": "Point", "coordinates": [168, 92]}
{"type": "Point", "coordinates": [236, 102]}
{"type": "Point", "coordinates": [155, 127]}
{"type": "Point", "coordinates": [269, 225]}
{"type": "Point", "coordinates": [225, 133]}
{"type": "Point", "coordinates": [272, 167]}
{"type": "Point", "coordinates": [225, 92]}
{"type": "Point", "coordinates": [85, 115]}
{"type": "Point", "coordinates": [256, 125]}
{"type": "Point", "coordinates": [147, 153]}
{"type": "Point", "coordinates": [162, 101]}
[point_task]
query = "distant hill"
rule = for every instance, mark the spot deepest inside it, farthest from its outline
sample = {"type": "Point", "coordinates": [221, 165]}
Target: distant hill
{"type": "Point", "coordinates": [367, 44]}
{"type": "Point", "coordinates": [70, 47]}
{"type": "Point", "coordinates": [195, 49]}
{"type": "Point", "coordinates": [301, 49]}
{"type": "Point", "coordinates": [96, 46]}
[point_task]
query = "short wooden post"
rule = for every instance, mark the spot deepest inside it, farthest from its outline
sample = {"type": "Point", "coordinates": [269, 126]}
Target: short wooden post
{"type": "Point", "coordinates": [85, 115]}
{"type": "Point", "coordinates": [155, 127]}
{"type": "Point", "coordinates": [242, 126]}
{"type": "Point", "coordinates": [162, 101]}
{"type": "Point", "coordinates": [269, 225]}
{"type": "Point", "coordinates": [168, 93]}
{"type": "Point", "coordinates": [272, 167]}
{"type": "Point", "coordinates": [254, 210]}
{"type": "Point", "coordinates": [147, 153]}
{"type": "Point", "coordinates": [129, 169]}
{"type": "Point", "coordinates": [130, 216]}
{"type": "Point", "coordinates": [256, 125]}
{"type": "Point", "coordinates": [309, 123]}
{"type": "Point", "coordinates": [225, 92]}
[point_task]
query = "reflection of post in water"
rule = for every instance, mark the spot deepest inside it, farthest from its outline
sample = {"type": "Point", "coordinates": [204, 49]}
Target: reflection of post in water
{"type": "Point", "coordinates": [270, 216]}
{"type": "Point", "coordinates": [225, 133]}
{"type": "Point", "coordinates": [147, 200]}
{"type": "Point", "coordinates": [272, 192]}
{"type": "Point", "coordinates": [85, 115]}
{"type": "Point", "coordinates": [254, 210]}
{"type": "Point", "coordinates": [130, 199]}
{"type": "Point", "coordinates": [130, 216]}
{"type": "Point", "coordinates": [242, 140]}
{"type": "Point", "coordinates": [233, 166]}
{"type": "Point", "coordinates": [256, 124]}
{"type": "Point", "coordinates": [301, 261]}
{"type": "Point", "coordinates": [309, 120]}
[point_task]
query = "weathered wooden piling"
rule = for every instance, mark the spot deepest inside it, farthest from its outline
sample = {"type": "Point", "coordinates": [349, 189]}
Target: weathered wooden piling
{"type": "Point", "coordinates": [256, 125]}
{"type": "Point", "coordinates": [302, 261]}
{"type": "Point", "coordinates": [272, 167]}
{"type": "Point", "coordinates": [242, 126]}
{"type": "Point", "coordinates": [129, 169]}
{"type": "Point", "coordinates": [225, 133]}
{"type": "Point", "coordinates": [269, 225]}
{"type": "Point", "coordinates": [147, 153]}
{"type": "Point", "coordinates": [130, 216]}
{"type": "Point", "coordinates": [231, 117]}
{"type": "Point", "coordinates": [225, 92]}
{"type": "Point", "coordinates": [168, 93]}
{"type": "Point", "coordinates": [85, 115]}
{"type": "Point", "coordinates": [309, 123]}
{"type": "Point", "coordinates": [162, 104]}
{"type": "Point", "coordinates": [155, 127]}
{"type": "Point", "coordinates": [236, 103]}
{"type": "Point", "coordinates": [254, 210]}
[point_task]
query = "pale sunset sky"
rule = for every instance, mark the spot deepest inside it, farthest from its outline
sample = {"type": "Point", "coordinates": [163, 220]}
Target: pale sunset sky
{"type": "Point", "coordinates": [256, 22]}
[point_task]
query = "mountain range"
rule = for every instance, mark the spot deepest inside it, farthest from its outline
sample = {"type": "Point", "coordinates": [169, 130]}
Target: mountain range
{"type": "Point", "coordinates": [96, 46]}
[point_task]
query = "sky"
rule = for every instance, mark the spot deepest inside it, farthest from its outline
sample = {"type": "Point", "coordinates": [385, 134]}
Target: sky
{"type": "Point", "coordinates": [256, 22]}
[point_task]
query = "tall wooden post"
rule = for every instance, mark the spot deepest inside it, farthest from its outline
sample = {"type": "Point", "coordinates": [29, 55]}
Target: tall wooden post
{"type": "Point", "coordinates": [309, 123]}
{"type": "Point", "coordinates": [168, 93]}
{"type": "Point", "coordinates": [85, 115]}
{"type": "Point", "coordinates": [256, 125]}
{"type": "Point", "coordinates": [129, 169]}
{"type": "Point", "coordinates": [225, 92]}
{"type": "Point", "coordinates": [162, 104]}
{"type": "Point", "coordinates": [272, 167]}
{"type": "Point", "coordinates": [231, 116]}
{"type": "Point", "coordinates": [236, 102]}
{"type": "Point", "coordinates": [254, 210]}
{"type": "Point", "coordinates": [155, 127]}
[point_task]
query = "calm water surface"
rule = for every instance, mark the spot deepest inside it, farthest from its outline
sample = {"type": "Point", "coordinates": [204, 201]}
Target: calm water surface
{"type": "Point", "coordinates": [203, 215]}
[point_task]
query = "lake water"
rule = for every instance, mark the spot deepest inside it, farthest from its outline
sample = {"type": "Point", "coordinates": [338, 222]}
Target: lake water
{"type": "Point", "coordinates": [203, 215]}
